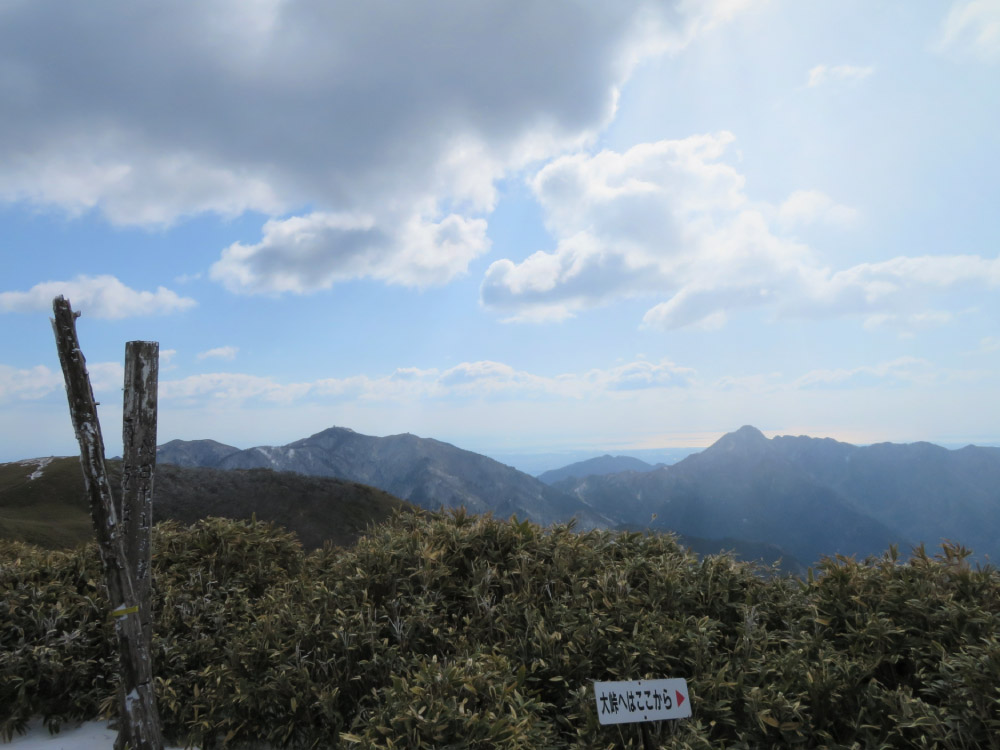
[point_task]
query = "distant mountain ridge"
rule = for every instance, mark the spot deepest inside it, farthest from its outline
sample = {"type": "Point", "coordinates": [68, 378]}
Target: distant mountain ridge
{"type": "Point", "coordinates": [813, 496]}
{"type": "Point", "coordinates": [423, 471]}
{"type": "Point", "coordinates": [606, 464]}
{"type": "Point", "coordinates": [194, 453]}
{"type": "Point", "coordinates": [796, 497]}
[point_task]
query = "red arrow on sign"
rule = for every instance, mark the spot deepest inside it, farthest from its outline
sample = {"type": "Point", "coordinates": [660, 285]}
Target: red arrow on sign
{"type": "Point", "coordinates": [680, 698]}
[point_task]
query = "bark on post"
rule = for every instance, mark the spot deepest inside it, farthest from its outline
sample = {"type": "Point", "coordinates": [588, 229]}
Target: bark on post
{"type": "Point", "coordinates": [138, 468]}
{"type": "Point", "coordinates": [140, 722]}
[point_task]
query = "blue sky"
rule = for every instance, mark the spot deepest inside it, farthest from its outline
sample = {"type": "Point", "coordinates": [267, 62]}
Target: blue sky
{"type": "Point", "coordinates": [544, 227]}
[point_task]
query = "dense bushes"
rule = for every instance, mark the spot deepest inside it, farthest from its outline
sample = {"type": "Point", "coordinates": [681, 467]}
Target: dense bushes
{"type": "Point", "coordinates": [448, 630]}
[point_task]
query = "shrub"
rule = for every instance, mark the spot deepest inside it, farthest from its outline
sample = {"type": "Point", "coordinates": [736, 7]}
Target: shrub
{"type": "Point", "coordinates": [452, 630]}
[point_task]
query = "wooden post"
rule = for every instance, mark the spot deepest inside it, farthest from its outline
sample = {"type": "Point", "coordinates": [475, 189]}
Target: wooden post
{"type": "Point", "coordinates": [140, 722]}
{"type": "Point", "coordinates": [138, 467]}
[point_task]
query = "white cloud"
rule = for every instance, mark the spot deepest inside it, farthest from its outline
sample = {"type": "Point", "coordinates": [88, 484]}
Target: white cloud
{"type": "Point", "coordinates": [404, 117]}
{"type": "Point", "coordinates": [672, 220]}
{"type": "Point", "coordinates": [484, 382]}
{"type": "Point", "coordinates": [900, 370]}
{"type": "Point", "coordinates": [228, 386]}
{"type": "Point", "coordinates": [805, 207]}
{"type": "Point", "coordinates": [627, 224]}
{"type": "Point", "coordinates": [33, 383]}
{"type": "Point", "coordinates": [642, 375]}
{"type": "Point", "coordinates": [147, 190]}
{"type": "Point", "coordinates": [307, 253]}
{"type": "Point", "coordinates": [884, 289]}
{"type": "Point", "coordinates": [101, 296]}
{"type": "Point", "coordinates": [972, 28]}
{"type": "Point", "coordinates": [482, 379]}
{"type": "Point", "coordinates": [27, 384]}
{"type": "Point", "coordinates": [485, 377]}
{"type": "Point", "coordinates": [823, 74]}
{"type": "Point", "coordinates": [221, 352]}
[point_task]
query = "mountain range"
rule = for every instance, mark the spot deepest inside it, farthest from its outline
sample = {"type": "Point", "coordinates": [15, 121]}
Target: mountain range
{"type": "Point", "coordinates": [425, 472]}
{"type": "Point", "coordinates": [813, 497]}
{"type": "Point", "coordinates": [807, 496]}
{"type": "Point", "coordinates": [797, 498]}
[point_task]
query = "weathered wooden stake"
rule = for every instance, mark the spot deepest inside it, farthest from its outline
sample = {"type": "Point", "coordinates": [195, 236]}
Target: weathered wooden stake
{"type": "Point", "coordinates": [138, 466]}
{"type": "Point", "coordinates": [140, 721]}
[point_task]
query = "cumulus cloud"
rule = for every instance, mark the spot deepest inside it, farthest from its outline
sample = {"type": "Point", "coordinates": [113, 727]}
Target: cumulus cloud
{"type": "Point", "coordinates": [101, 296]}
{"type": "Point", "coordinates": [972, 28]}
{"type": "Point", "coordinates": [306, 253]}
{"type": "Point", "coordinates": [391, 124]}
{"type": "Point", "coordinates": [626, 224]}
{"type": "Point", "coordinates": [672, 220]}
{"type": "Point", "coordinates": [824, 74]}
{"type": "Point", "coordinates": [221, 352]}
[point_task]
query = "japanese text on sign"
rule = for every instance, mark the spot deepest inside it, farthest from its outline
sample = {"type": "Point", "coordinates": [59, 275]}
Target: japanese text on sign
{"type": "Point", "coordinates": [642, 700]}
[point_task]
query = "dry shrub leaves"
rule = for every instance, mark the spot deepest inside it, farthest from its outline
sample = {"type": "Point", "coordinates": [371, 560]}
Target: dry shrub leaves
{"type": "Point", "coordinates": [446, 630]}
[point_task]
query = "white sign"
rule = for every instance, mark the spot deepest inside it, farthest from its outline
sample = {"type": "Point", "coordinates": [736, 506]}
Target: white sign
{"type": "Point", "coordinates": [642, 700]}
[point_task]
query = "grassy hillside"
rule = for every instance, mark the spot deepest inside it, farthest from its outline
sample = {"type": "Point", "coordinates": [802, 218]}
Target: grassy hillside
{"type": "Point", "coordinates": [51, 510]}
{"type": "Point", "coordinates": [315, 509]}
{"type": "Point", "coordinates": [454, 631]}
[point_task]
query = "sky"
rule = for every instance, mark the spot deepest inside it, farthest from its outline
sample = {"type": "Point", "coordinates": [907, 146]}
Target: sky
{"type": "Point", "coordinates": [521, 228]}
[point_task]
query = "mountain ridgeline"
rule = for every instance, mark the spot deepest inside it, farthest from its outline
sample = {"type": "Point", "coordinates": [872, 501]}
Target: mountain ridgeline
{"type": "Point", "coordinates": [804, 497]}
{"type": "Point", "coordinates": [425, 472]}
{"type": "Point", "coordinates": [814, 497]}
{"type": "Point", "coordinates": [791, 498]}
{"type": "Point", "coordinates": [599, 466]}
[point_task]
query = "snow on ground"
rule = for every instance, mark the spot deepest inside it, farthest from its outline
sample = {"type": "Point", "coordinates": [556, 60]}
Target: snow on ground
{"type": "Point", "coordinates": [39, 463]}
{"type": "Point", "coordinates": [91, 735]}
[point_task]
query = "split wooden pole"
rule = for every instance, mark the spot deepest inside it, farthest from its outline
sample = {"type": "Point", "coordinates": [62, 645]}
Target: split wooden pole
{"type": "Point", "coordinates": [140, 721]}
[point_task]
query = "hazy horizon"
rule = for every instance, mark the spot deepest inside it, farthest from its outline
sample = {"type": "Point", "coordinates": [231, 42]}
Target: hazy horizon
{"type": "Point", "coordinates": [530, 462]}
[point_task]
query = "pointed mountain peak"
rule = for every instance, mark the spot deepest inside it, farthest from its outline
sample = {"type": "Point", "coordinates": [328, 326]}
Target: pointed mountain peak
{"type": "Point", "coordinates": [335, 430]}
{"type": "Point", "coordinates": [748, 432]}
{"type": "Point", "coordinates": [747, 439]}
